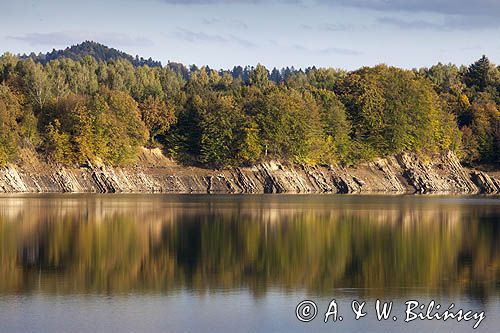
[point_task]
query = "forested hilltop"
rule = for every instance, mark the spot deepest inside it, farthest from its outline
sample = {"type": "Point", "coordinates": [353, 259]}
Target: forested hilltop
{"type": "Point", "coordinates": [98, 109]}
{"type": "Point", "coordinates": [88, 48]}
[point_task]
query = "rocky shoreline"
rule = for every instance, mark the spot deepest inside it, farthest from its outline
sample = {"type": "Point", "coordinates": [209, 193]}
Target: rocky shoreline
{"type": "Point", "coordinates": [400, 174]}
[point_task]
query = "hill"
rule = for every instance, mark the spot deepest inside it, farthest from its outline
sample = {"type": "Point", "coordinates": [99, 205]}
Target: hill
{"type": "Point", "coordinates": [96, 50]}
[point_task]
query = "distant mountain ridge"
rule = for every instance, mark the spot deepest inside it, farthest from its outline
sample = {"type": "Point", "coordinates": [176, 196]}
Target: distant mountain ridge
{"type": "Point", "coordinates": [96, 50]}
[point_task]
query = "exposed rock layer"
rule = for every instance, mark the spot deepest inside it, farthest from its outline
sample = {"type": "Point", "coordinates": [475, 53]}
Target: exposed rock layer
{"type": "Point", "coordinates": [404, 173]}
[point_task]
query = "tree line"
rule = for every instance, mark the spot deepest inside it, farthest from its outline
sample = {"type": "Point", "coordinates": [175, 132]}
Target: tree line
{"type": "Point", "coordinates": [80, 111]}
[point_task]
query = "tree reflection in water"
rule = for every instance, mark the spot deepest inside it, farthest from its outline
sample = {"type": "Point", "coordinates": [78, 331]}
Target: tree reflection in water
{"type": "Point", "coordinates": [122, 244]}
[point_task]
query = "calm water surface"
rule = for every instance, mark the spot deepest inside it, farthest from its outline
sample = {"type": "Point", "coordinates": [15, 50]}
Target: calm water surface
{"type": "Point", "coordinates": [172, 263]}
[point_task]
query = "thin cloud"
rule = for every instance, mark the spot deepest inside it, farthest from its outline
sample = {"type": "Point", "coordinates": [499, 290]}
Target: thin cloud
{"type": "Point", "coordinates": [458, 14]}
{"type": "Point", "coordinates": [300, 47]}
{"type": "Point", "coordinates": [228, 2]}
{"type": "Point", "coordinates": [196, 37]}
{"type": "Point", "coordinates": [447, 24]}
{"type": "Point", "coordinates": [64, 38]}
{"type": "Point", "coordinates": [229, 23]}
{"type": "Point", "coordinates": [210, 21]}
{"type": "Point", "coordinates": [328, 50]}
{"type": "Point", "coordinates": [409, 24]}
{"type": "Point", "coordinates": [241, 41]}
{"type": "Point", "coordinates": [193, 36]}
{"type": "Point", "coordinates": [334, 27]}
{"type": "Point", "coordinates": [341, 51]}
{"type": "Point", "coordinates": [448, 7]}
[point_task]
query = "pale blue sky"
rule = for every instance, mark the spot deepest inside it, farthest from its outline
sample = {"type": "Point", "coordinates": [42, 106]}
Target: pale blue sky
{"type": "Point", "coordinates": [224, 33]}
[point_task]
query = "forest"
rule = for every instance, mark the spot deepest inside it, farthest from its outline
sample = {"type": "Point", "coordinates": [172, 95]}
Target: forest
{"type": "Point", "coordinates": [80, 110]}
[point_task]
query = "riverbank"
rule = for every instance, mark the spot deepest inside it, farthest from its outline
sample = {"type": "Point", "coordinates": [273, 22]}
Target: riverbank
{"type": "Point", "coordinates": [155, 173]}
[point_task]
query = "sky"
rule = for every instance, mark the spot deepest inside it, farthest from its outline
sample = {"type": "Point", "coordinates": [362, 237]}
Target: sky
{"type": "Point", "coordinates": [276, 33]}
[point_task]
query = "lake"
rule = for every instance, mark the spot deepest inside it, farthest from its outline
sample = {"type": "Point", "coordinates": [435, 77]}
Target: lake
{"type": "Point", "coordinates": [210, 263]}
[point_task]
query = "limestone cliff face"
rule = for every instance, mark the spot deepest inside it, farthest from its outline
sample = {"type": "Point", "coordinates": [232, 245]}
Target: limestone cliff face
{"type": "Point", "coordinates": [404, 173]}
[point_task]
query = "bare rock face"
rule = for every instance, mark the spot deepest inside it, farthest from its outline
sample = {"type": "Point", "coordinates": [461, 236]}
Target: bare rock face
{"type": "Point", "coordinates": [220, 184]}
{"type": "Point", "coordinates": [400, 174]}
{"type": "Point", "coordinates": [443, 175]}
{"type": "Point", "coordinates": [67, 181]}
{"type": "Point", "coordinates": [10, 180]}
{"type": "Point", "coordinates": [390, 173]}
{"type": "Point", "coordinates": [485, 183]}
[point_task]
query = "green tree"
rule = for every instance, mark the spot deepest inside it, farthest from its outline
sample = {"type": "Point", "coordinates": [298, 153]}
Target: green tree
{"type": "Point", "coordinates": [57, 143]}
{"type": "Point", "coordinates": [147, 83]}
{"type": "Point", "coordinates": [477, 75]}
{"type": "Point", "coordinates": [259, 77]}
{"type": "Point", "coordinates": [8, 63]}
{"type": "Point", "coordinates": [250, 149]}
{"type": "Point", "coordinates": [336, 126]}
{"type": "Point", "coordinates": [445, 78]}
{"type": "Point", "coordinates": [219, 120]}
{"type": "Point", "coordinates": [10, 110]}
{"type": "Point", "coordinates": [325, 78]}
{"type": "Point", "coordinates": [485, 119]}
{"type": "Point", "coordinates": [288, 122]}
{"type": "Point", "coordinates": [158, 116]}
{"type": "Point", "coordinates": [130, 133]}
{"type": "Point", "coordinates": [36, 83]}
{"type": "Point", "coordinates": [393, 110]}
